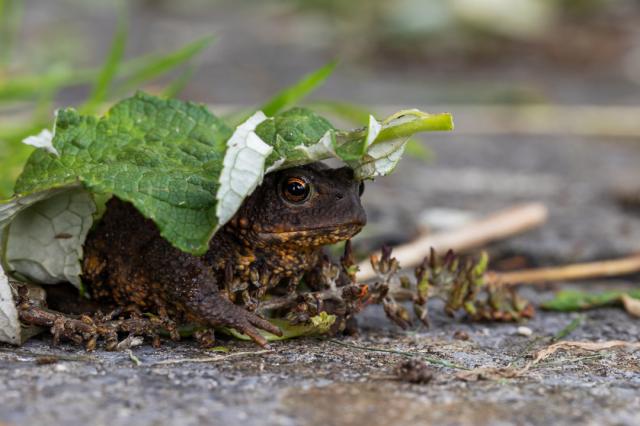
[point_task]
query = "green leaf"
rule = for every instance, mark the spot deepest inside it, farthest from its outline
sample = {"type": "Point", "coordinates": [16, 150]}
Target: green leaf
{"type": "Point", "coordinates": [164, 156]}
{"type": "Point", "coordinates": [385, 142]}
{"type": "Point", "coordinates": [407, 123]}
{"type": "Point", "coordinates": [317, 326]}
{"type": "Point", "coordinates": [358, 114]}
{"type": "Point", "coordinates": [293, 94]}
{"type": "Point", "coordinates": [185, 169]}
{"type": "Point", "coordinates": [298, 136]}
{"type": "Point", "coordinates": [574, 300]}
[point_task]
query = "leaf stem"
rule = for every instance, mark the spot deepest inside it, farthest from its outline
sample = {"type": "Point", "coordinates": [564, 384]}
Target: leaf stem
{"type": "Point", "coordinates": [425, 123]}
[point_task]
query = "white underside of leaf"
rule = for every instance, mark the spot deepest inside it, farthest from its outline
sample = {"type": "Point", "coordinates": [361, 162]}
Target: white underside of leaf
{"type": "Point", "coordinates": [321, 150]}
{"type": "Point", "coordinates": [242, 169]}
{"type": "Point", "coordinates": [381, 158]}
{"type": "Point", "coordinates": [43, 140]}
{"type": "Point", "coordinates": [275, 166]}
{"type": "Point", "coordinates": [373, 130]}
{"type": "Point", "coordinates": [43, 241]}
{"type": "Point", "coordinates": [9, 323]}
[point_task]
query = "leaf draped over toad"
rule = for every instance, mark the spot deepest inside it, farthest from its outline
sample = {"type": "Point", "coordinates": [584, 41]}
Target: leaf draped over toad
{"type": "Point", "coordinates": [179, 165]}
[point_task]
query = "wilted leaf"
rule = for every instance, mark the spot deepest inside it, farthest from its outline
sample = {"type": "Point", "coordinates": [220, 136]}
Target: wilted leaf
{"type": "Point", "coordinates": [587, 346]}
{"type": "Point", "coordinates": [9, 324]}
{"type": "Point", "coordinates": [43, 243]}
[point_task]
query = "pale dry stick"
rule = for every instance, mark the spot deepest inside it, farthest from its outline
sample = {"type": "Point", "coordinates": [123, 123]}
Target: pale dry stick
{"type": "Point", "coordinates": [499, 225]}
{"type": "Point", "coordinates": [607, 268]}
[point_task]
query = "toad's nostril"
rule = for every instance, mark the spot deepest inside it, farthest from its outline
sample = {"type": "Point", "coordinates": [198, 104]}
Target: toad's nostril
{"type": "Point", "coordinates": [339, 195]}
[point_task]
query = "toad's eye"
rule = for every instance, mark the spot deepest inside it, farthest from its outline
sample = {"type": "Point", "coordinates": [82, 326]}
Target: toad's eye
{"type": "Point", "coordinates": [295, 189]}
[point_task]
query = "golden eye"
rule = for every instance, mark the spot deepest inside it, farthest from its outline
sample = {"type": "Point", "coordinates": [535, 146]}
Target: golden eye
{"type": "Point", "coordinates": [295, 189]}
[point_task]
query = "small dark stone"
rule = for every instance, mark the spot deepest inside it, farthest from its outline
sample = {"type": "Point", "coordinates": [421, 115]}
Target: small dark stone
{"type": "Point", "coordinates": [461, 335]}
{"type": "Point", "coordinates": [414, 371]}
{"type": "Point", "coordinates": [47, 360]}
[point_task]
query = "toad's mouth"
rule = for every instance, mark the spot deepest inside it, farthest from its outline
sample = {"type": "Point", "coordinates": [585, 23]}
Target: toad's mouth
{"type": "Point", "coordinates": [328, 233]}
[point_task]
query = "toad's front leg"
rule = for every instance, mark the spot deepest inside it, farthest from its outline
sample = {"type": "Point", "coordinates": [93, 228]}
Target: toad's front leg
{"type": "Point", "coordinates": [190, 285]}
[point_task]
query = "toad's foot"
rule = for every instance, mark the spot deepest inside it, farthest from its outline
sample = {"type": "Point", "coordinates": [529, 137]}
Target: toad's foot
{"type": "Point", "coordinates": [219, 311]}
{"type": "Point", "coordinates": [83, 329]}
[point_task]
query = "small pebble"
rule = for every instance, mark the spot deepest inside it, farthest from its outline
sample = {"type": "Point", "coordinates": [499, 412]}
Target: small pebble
{"type": "Point", "coordinates": [524, 331]}
{"type": "Point", "coordinates": [46, 360]}
{"type": "Point", "coordinates": [60, 368]}
{"type": "Point", "coordinates": [461, 335]}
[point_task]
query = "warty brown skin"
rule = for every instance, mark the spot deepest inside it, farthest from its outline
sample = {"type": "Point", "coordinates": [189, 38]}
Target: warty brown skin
{"type": "Point", "coordinates": [276, 237]}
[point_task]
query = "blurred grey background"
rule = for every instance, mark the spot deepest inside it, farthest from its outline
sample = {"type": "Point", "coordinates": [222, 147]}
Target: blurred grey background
{"type": "Point", "coordinates": [392, 51]}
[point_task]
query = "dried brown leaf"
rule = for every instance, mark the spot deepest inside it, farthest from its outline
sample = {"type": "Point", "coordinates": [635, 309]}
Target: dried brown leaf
{"type": "Point", "coordinates": [587, 346]}
{"type": "Point", "coordinates": [631, 305]}
{"type": "Point", "coordinates": [497, 373]}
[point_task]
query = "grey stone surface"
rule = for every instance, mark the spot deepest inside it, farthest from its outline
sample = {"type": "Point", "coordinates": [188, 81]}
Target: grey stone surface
{"type": "Point", "coordinates": [313, 382]}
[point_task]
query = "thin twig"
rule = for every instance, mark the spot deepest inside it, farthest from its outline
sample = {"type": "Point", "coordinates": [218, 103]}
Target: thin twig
{"type": "Point", "coordinates": [570, 328]}
{"type": "Point", "coordinates": [429, 359]}
{"type": "Point", "coordinates": [212, 358]}
{"type": "Point", "coordinates": [502, 224]}
{"type": "Point", "coordinates": [578, 271]}
{"type": "Point", "coordinates": [563, 362]}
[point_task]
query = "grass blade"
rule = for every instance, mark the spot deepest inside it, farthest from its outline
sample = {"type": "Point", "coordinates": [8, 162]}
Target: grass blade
{"type": "Point", "coordinates": [174, 88]}
{"type": "Point", "coordinates": [134, 71]}
{"type": "Point", "coordinates": [355, 114]}
{"type": "Point", "coordinates": [10, 20]}
{"type": "Point", "coordinates": [109, 69]}
{"type": "Point", "coordinates": [296, 92]}
{"type": "Point", "coordinates": [415, 149]}
{"type": "Point", "coordinates": [153, 66]}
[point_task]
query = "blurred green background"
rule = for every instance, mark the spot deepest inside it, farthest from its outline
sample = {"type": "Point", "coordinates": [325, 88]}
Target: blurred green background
{"type": "Point", "coordinates": [422, 53]}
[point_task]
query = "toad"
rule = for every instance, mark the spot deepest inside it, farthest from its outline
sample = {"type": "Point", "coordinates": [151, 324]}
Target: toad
{"type": "Point", "coordinates": [275, 239]}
